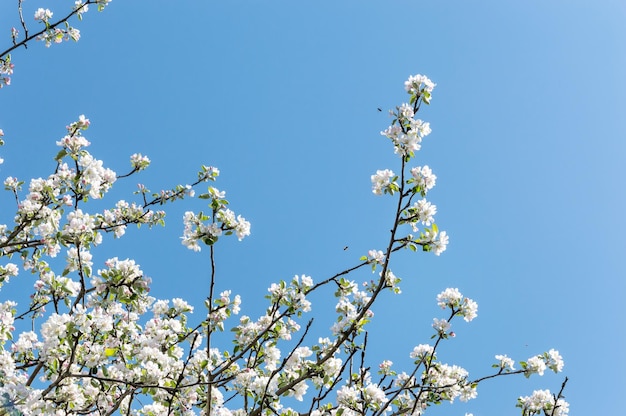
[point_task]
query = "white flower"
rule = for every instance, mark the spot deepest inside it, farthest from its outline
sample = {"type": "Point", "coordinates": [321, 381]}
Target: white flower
{"type": "Point", "coordinates": [9, 270]}
{"type": "Point", "coordinates": [392, 281]}
{"type": "Point", "coordinates": [181, 305]}
{"type": "Point", "coordinates": [73, 33]}
{"type": "Point", "coordinates": [307, 281]}
{"type": "Point", "coordinates": [347, 395]}
{"type": "Point", "coordinates": [542, 401]}
{"type": "Point", "coordinates": [555, 361]}
{"type": "Point", "coordinates": [381, 181]}
{"type": "Point", "coordinates": [420, 128]}
{"type": "Point", "coordinates": [451, 297]}
{"type": "Point", "coordinates": [160, 307]}
{"type": "Point", "coordinates": [505, 362]}
{"type": "Point", "coordinates": [139, 162]}
{"type": "Point", "coordinates": [242, 229]}
{"type": "Point", "coordinates": [82, 8]}
{"type": "Point", "coordinates": [424, 178]}
{"type": "Point", "coordinates": [468, 393]}
{"type": "Point", "coordinates": [424, 211]}
{"type": "Point", "coordinates": [95, 175]}
{"type": "Point", "coordinates": [298, 391]}
{"type": "Point", "coordinates": [43, 14]}
{"type": "Point", "coordinates": [418, 83]}
{"type": "Point", "coordinates": [469, 309]}
{"type": "Point", "coordinates": [375, 395]}
{"type": "Point", "coordinates": [441, 325]}
{"type": "Point", "coordinates": [406, 111]}
{"type": "Point", "coordinates": [421, 351]}
{"type": "Point", "coordinates": [377, 256]}
{"type": "Point", "coordinates": [536, 365]}
{"type": "Point", "coordinates": [11, 183]}
{"type": "Point", "coordinates": [440, 245]}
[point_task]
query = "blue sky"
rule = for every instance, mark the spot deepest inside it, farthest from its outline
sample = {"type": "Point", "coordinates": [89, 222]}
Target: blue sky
{"type": "Point", "coordinates": [528, 122]}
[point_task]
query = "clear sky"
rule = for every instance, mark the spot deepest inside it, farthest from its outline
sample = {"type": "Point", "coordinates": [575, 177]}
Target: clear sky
{"type": "Point", "coordinates": [528, 119]}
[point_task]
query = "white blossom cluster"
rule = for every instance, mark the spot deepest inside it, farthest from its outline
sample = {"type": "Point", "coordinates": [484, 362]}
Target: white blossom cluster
{"type": "Point", "coordinates": [423, 178]}
{"type": "Point", "coordinates": [222, 220]}
{"type": "Point", "coordinates": [384, 182]}
{"type": "Point", "coordinates": [6, 70]}
{"type": "Point", "coordinates": [543, 402]}
{"type": "Point", "coordinates": [55, 35]}
{"type": "Point", "coordinates": [406, 133]}
{"type": "Point", "coordinates": [453, 299]}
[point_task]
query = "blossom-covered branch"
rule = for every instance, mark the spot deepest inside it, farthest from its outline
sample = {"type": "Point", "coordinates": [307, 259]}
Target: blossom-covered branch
{"type": "Point", "coordinates": [52, 32]}
{"type": "Point", "coordinates": [106, 346]}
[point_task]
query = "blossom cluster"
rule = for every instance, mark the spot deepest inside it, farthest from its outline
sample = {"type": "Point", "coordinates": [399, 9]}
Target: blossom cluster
{"type": "Point", "coordinates": [55, 34]}
{"type": "Point", "coordinates": [6, 70]}
{"type": "Point", "coordinates": [538, 364]}
{"type": "Point", "coordinates": [207, 229]}
{"type": "Point", "coordinates": [406, 133]}
{"type": "Point", "coordinates": [43, 14]}
{"type": "Point", "coordinates": [352, 307]}
{"type": "Point", "coordinates": [420, 86]}
{"type": "Point", "coordinates": [384, 181]}
{"type": "Point", "coordinates": [453, 299]}
{"type": "Point", "coordinates": [543, 402]}
{"type": "Point", "coordinates": [423, 178]}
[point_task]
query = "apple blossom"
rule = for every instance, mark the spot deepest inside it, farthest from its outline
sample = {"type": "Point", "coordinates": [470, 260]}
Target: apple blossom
{"type": "Point", "coordinates": [535, 365]}
{"type": "Point", "coordinates": [383, 182]}
{"type": "Point", "coordinates": [139, 161]}
{"type": "Point", "coordinates": [543, 402]}
{"type": "Point", "coordinates": [376, 256]}
{"type": "Point", "coordinates": [424, 179]}
{"type": "Point", "coordinates": [422, 352]}
{"type": "Point", "coordinates": [43, 14]}
{"type": "Point", "coordinates": [441, 325]}
{"type": "Point", "coordinates": [420, 85]}
{"type": "Point", "coordinates": [6, 69]}
{"type": "Point", "coordinates": [80, 8]}
{"type": "Point", "coordinates": [554, 361]}
{"type": "Point", "coordinates": [506, 363]}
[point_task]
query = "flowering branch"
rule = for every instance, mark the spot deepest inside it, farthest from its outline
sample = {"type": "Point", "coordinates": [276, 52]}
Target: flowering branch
{"type": "Point", "coordinates": [51, 33]}
{"type": "Point", "coordinates": [98, 352]}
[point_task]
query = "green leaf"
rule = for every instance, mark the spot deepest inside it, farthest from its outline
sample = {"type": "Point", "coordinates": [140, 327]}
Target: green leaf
{"type": "Point", "coordinates": [62, 153]}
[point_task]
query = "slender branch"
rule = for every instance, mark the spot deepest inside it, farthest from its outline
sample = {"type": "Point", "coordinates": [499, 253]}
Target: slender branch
{"type": "Point", "coordinates": [208, 326]}
{"type": "Point", "coordinates": [558, 396]}
{"type": "Point", "coordinates": [19, 9]}
{"type": "Point", "coordinates": [28, 38]}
